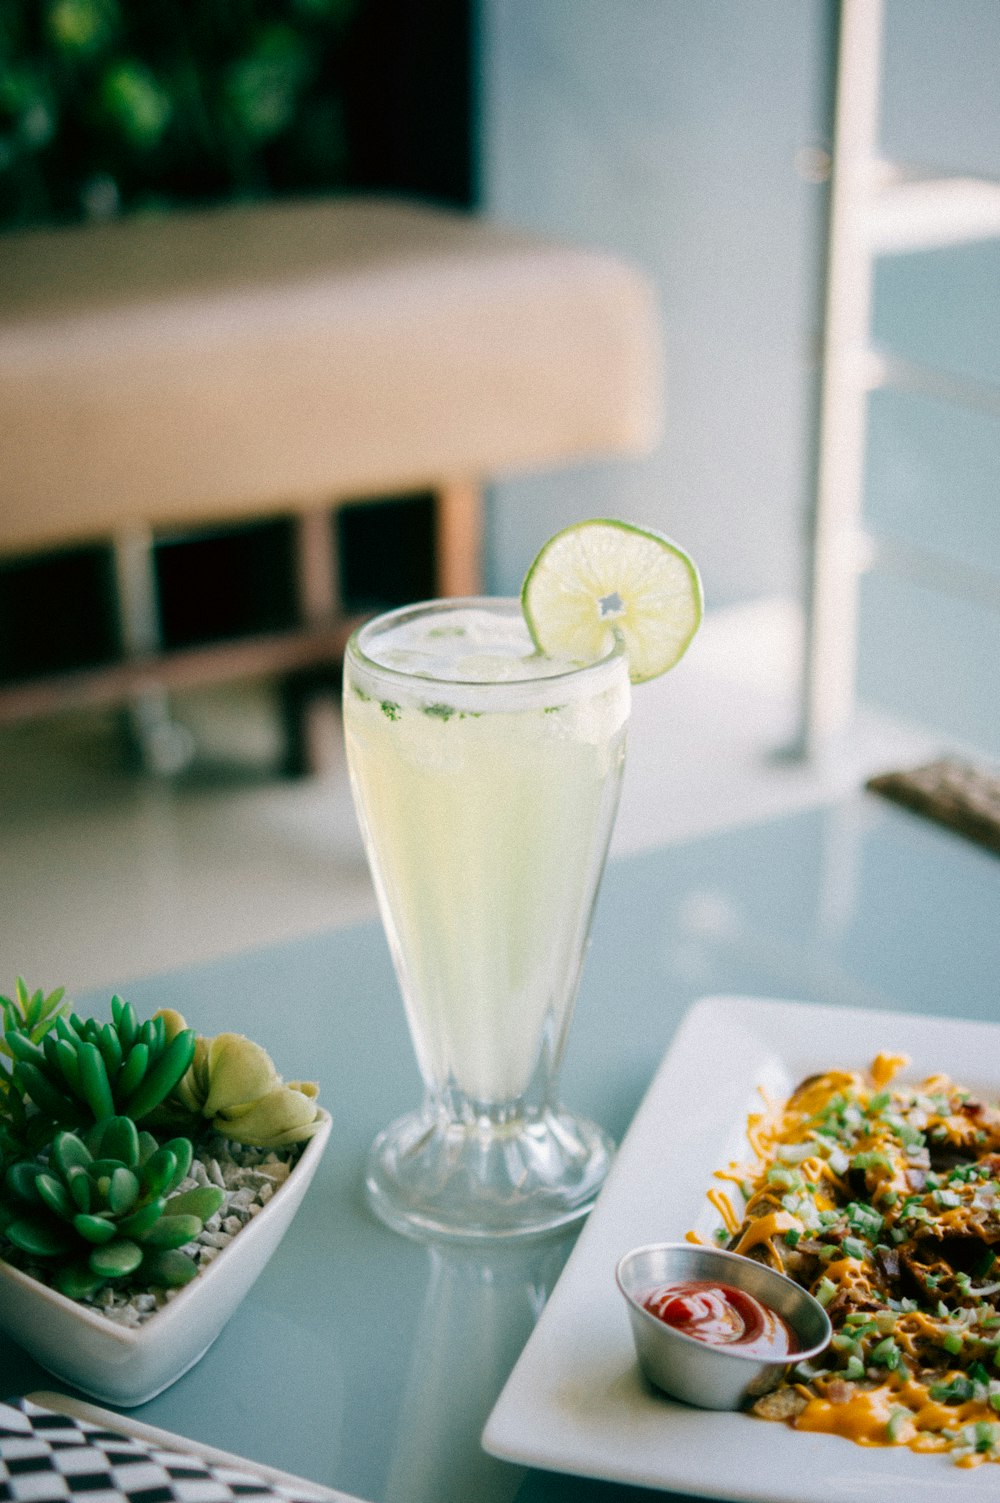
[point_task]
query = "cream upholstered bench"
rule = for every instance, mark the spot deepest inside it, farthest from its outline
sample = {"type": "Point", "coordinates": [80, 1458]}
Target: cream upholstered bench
{"type": "Point", "coordinates": [222, 365]}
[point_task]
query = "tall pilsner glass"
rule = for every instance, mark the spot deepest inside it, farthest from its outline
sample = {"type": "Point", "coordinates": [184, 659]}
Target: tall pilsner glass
{"type": "Point", "coordinates": [486, 779]}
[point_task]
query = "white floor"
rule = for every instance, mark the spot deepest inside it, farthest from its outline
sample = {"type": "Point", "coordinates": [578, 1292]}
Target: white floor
{"type": "Point", "coordinates": [107, 876]}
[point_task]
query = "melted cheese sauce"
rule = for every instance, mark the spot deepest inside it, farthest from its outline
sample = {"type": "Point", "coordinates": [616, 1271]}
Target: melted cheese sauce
{"type": "Point", "coordinates": [839, 1148]}
{"type": "Point", "coordinates": [900, 1413]}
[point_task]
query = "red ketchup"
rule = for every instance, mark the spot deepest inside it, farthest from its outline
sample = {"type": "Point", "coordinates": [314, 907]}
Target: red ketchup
{"type": "Point", "coordinates": [720, 1315]}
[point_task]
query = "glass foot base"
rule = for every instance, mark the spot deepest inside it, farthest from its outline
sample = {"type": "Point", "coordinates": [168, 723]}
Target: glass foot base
{"type": "Point", "coordinates": [431, 1177]}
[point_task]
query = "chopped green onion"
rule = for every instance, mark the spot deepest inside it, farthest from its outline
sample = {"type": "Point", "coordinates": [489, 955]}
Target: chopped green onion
{"type": "Point", "coordinates": [794, 1153]}
{"type": "Point", "coordinates": [897, 1423]}
{"type": "Point", "coordinates": [987, 1435]}
{"type": "Point", "coordinates": [863, 1219]}
{"type": "Point", "coordinates": [785, 1179]}
{"type": "Point", "coordinates": [948, 1200]}
{"type": "Point", "coordinates": [886, 1354]}
{"type": "Point", "coordinates": [957, 1391]}
{"type": "Point", "coordinates": [872, 1160]}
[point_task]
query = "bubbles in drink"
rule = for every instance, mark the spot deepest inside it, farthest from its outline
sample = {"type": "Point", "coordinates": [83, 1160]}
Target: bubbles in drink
{"type": "Point", "coordinates": [474, 646]}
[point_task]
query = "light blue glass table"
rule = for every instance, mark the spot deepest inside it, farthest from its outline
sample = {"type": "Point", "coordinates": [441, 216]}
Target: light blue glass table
{"type": "Point", "coordinates": [369, 1362]}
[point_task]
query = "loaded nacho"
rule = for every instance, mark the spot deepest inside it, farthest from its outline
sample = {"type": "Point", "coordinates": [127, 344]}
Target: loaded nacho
{"type": "Point", "coordinates": [883, 1200]}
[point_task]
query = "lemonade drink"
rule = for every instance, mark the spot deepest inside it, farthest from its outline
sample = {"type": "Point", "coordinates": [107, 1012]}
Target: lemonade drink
{"type": "Point", "coordinates": [486, 779]}
{"type": "Point", "coordinates": [485, 741]}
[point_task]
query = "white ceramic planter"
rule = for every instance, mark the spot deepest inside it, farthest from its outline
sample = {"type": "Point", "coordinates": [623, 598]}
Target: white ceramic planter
{"type": "Point", "coordinates": [127, 1367]}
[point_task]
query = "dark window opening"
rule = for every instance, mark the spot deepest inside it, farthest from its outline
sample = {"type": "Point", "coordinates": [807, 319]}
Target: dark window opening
{"type": "Point", "coordinates": [387, 551]}
{"type": "Point", "coordinates": [58, 613]}
{"type": "Point", "coordinates": [221, 583]}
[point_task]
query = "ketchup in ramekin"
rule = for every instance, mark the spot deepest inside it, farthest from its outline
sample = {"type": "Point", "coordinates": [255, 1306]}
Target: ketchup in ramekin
{"type": "Point", "coordinates": [721, 1315]}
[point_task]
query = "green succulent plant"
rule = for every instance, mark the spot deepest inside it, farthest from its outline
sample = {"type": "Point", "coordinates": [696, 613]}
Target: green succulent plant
{"type": "Point", "coordinates": [98, 1126]}
{"type": "Point", "coordinates": [31, 1013]}
{"type": "Point", "coordinates": [101, 1208]}
{"type": "Point", "coordinates": [81, 1071]}
{"type": "Point", "coordinates": [233, 1085]}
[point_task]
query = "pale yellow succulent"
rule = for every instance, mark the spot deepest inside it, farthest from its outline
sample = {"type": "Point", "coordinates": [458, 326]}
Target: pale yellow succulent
{"type": "Point", "coordinates": [232, 1082]}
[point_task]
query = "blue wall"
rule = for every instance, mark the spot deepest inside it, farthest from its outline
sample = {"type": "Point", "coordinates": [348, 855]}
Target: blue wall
{"type": "Point", "coordinates": [940, 88]}
{"type": "Point", "coordinates": [676, 132]}
{"type": "Point", "coordinates": [669, 131]}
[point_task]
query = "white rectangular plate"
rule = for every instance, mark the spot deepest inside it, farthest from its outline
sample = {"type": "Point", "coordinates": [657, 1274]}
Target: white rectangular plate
{"type": "Point", "coordinates": [576, 1403]}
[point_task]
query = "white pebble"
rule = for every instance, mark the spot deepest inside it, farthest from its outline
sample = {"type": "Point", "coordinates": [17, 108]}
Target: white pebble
{"type": "Point", "coordinates": [276, 1174]}
{"type": "Point", "coordinates": [215, 1239]}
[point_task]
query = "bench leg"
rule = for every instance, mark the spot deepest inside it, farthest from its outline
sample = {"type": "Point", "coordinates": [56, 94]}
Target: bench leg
{"type": "Point", "coordinates": [459, 536]}
{"type": "Point", "coordinates": [155, 742]}
{"type": "Point", "coordinates": [319, 603]}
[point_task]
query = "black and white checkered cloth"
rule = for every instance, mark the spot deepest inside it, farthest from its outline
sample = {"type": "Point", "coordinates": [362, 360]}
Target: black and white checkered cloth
{"type": "Point", "coordinates": [48, 1458]}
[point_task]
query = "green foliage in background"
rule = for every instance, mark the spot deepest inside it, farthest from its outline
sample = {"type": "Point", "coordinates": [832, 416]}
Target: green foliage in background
{"type": "Point", "coordinates": [111, 105]}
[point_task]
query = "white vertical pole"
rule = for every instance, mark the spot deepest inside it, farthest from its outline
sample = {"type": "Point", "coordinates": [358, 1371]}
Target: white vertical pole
{"type": "Point", "coordinates": [164, 746]}
{"type": "Point", "coordinates": [136, 583]}
{"type": "Point", "coordinates": [831, 626]}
